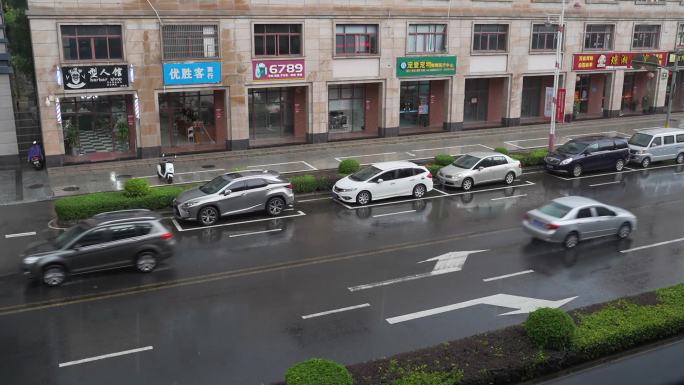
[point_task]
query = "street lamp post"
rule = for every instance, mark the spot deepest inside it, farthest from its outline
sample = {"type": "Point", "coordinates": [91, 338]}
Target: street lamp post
{"type": "Point", "coordinates": [673, 86]}
{"type": "Point", "coordinates": [556, 75]}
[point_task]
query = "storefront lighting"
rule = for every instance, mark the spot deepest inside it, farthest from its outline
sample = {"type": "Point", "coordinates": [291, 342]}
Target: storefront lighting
{"type": "Point", "coordinates": [578, 78]}
{"type": "Point", "coordinates": [58, 76]}
{"type": "Point", "coordinates": [131, 73]}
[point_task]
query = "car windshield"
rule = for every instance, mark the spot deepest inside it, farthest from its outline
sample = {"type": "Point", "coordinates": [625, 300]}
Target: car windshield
{"type": "Point", "coordinates": [572, 147]}
{"type": "Point", "coordinates": [466, 161]}
{"type": "Point", "coordinates": [66, 237]}
{"type": "Point", "coordinates": [641, 140]}
{"type": "Point", "coordinates": [364, 174]}
{"type": "Point", "coordinates": [556, 210]}
{"type": "Point", "coordinates": [215, 185]}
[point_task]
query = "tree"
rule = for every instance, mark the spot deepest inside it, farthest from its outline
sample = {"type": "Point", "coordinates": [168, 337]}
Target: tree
{"type": "Point", "coordinates": [19, 36]}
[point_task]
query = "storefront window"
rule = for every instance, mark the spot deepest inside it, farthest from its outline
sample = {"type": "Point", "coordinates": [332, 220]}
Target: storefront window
{"type": "Point", "coordinates": [277, 115]}
{"type": "Point", "coordinates": [414, 102]}
{"type": "Point", "coordinates": [476, 100]}
{"type": "Point", "coordinates": [188, 118]}
{"type": "Point", "coordinates": [346, 106]}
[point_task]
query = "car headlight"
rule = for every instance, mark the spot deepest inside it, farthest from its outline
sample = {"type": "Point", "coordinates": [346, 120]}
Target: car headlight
{"type": "Point", "coordinates": [189, 204]}
{"type": "Point", "coordinates": [31, 260]}
{"type": "Point", "coordinates": [566, 161]}
{"type": "Point", "coordinates": [346, 189]}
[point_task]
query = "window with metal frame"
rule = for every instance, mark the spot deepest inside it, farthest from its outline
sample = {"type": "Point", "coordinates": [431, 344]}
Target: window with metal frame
{"type": "Point", "coordinates": [92, 42]}
{"type": "Point", "coordinates": [680, 35]}
{"type": "Point", "coordinates": [599, 36]}
{"type": "Point", "coordinates": [544, 37]}
{"type": "Point", "coordinates": [190, 41]}
{"type": "Point", "coordinates": [646, 36]}
{"type": "Point", "coordinates": [356, 39]}
{"type": "Point", "coordinates": [427, 38]}
{"type": "Point", "coordinates": [490, 37]}
{"type": "Point", "coordinates": [277, 39]}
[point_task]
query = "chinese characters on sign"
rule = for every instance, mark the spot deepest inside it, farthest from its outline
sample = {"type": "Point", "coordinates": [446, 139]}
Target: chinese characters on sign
{"type": "Point", "coordinates": [672, 56]}
{"type": "Point", "coordinates": [192, 73]}
{"type": "Point", "coordinates": [426, 65]}
{"type": "Point", "coordinates": [611, 60]}
{"type": "Point", "coordinates": [95, 76]}
{"type": "Point", "coordinates": [278, 70]}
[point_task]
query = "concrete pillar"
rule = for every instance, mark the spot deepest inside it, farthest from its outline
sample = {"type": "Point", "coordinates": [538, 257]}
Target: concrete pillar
{"type": "Point", "coordinates": [570, 82]}
{"type": "Point", "coordinates": [391, 126]}
{"type": "Point", "coordinates": [457, 90]}
{"type": "Point", "coordinates": [614, 105]}
{"type": "Point", "coordinates": [515, 101]}
{"type": "Point", "coordinates": [319, 113]}
{"type": "Point", "coordinates": [661, 90]}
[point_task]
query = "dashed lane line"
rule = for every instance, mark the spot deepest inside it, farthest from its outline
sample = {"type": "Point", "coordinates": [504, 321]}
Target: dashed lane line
{"type": "Point", "coordinates": [254, 233]}
{"type": "Point", "coordinates": [510, 197]}
{"type": "Point", "coordinates": [18, 235]}
{"type": "Point", "coordinates": [104, 356]}
{"type": "Point", "coordinates": [652, 245]}
{"type": "Point", "coordinates": [507, 276]}
{"type": "Point", "coordinates": [181, 229]}
{"type": "Point", "coordinates": [340, 158]}
{"type": "Point", "coordinates": [604, 184]}
{"type": "Point", "coordinates": [335, 311]}
{"type": "Point", "coordinates": [397, 213]}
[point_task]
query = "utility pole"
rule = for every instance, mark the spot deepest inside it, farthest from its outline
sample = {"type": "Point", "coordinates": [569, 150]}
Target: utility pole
{"type": "Point", "coordinates": [556, 76]}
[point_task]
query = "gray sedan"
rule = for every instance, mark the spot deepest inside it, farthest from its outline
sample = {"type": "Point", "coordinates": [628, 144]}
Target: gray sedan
{"type": "Point", "coordinates": [570, 219]}
{"type": "Point", "coordinates": [479, 167]}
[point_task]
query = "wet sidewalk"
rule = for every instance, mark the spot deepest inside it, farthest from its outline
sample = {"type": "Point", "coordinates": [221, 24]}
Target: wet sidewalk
{"type": "Point", "coordinates": [111, 176]}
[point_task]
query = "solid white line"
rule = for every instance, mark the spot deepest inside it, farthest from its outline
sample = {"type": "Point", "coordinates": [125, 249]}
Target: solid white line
{"type": "Point", "coordinates": [526, 140]}
{"type": "Point", "coordinates": [514, 145]}
{"type": "Point", "coordinates": [335, 311]}
{"type": "Point", "coordinates": [616, 172]}
{"type": "Point", "coordinates": [440, 191]}
{"type": "Point", "coordinates": [299, 214]}
{"type": "Point", "coordinates": [274, 164]}
{"type": "Point", "coordinates": [51, 224]}
{"type": "Point", "coordinates": [254, 233]}
{"type": "Point", "coordinates": [652, 245]}
{"type": "Point", "coordinates": [187, 172]}
{"type": "Point", "coordinates": [507, 276]}
{"type": "Point", "coordinates": [314, 199]}
{"type": "Point", "coordinates": [410, 154]}
{"type": "Point", "coordinates": [487, 147]}
{"type": "Point", "coordinates": [397, 213]}
{"type": "Point", "coordinates": [510, 197]}
{"type": "Point", "coordinates": [17, 235]}
{"type": "Point", "coordinates": [175, 223]}
{"type": "Point", "coordinates": [359, 156]}
{"type": "Point", "coordinates": [310, 166]}
{"type": "Point", "coordinates": [70, 363]}
{"type": "Point", "coordinates": [603, 184]}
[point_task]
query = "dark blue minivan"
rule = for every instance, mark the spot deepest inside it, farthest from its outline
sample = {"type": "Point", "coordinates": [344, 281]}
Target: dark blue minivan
{"type": "Point", "coordinates": [588, 153]}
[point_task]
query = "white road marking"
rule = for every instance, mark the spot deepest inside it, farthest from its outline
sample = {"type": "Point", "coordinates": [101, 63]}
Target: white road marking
{"type": "Point", "coordinates": [680, 172]}
{"type": "Point", "coordinates": [440, 191]}
{"type": "Point", "coordinates": [340, 158]}
{"type": "Point", "coordinates": [175, 223]}
{"type": "Point", "coordinates": [457, 146]}
{"type": "Point", "coordinates": [314, 199]}
{"type": "Point", "coordinates": [652, 245]}
{"type": "Point", "coordinates": [187, 172]}
{"type": "Point", "coordinates": [626, 171]}
{"type": "Point", "coordinates": [515, 145]}
{"type": "Point", "coordinates": [603, 184]}
{"type": "Point", "coordinates": [335, 311]}
{"type": "Point", "coordinates": [102, 357]}
{"type": "Point", "coordinates": [299, 214]}
{"type": "Point", "coordinates": [51, 225]}
{"type": "Point", "coordinates": [507, 276]}
{"type": "Point", "coordinates": [410, 154]}
{"type": "Point", "coordinates": [310, 166]}
{"type": "Point", "coordinates": [510, 197]}
{"type": "Point", "coordinates": [17, 235]}
{"type": "Point", "coordinates": [254, 233]}
{"type": "Point", "coordinates": [397, 213]}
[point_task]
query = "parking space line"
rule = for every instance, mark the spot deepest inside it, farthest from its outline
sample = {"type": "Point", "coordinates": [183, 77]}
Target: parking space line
{"type": "Point", "coordinates": [397, 213]}
{"type": "Point", "coordinates": [17, 235]}
{"type": "Point", "coordinates": [410, 154]}
{"type": "Point", "coordinates": [514, 145]}
{"type": "Point", "coordinates": [177, 225]}
{"type": "Point", "coordinates": [510, 197]}
{"type": "Point", "coordinates": [314, 199]}
{"type": "Point", "coordinates": [335, 311]}
{"type": "Point", "coordinates": [299, 214]}
{"type": "Point", "coordinates": [440, 191]}
{"type": "Point", "coordinates": [102, 357]}
{"type": "Point", "coordinates": [254, 233]}
{"type": "Point", "coordinates": [310, 166]}
{"type": "Point", "coordinates": [187, 172]}
{"type": "Point", "coordinates": [603, 184]}
{"type": "Point", "coordinates": [507, 275]}
{"type": "Point", "coordinates": [340, 158]}
{"type": "Point", "coordinates": [456, 146]}
{"type": "Point", "coordinates": [652, 245]}
{"type": "Point", "coordinates": [626, 171]}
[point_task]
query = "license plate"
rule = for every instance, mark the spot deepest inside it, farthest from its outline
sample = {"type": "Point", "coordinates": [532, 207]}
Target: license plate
{"type": "Point", "coordinates": [537, 223]}
{"type": "Point", "coordinates": [550, 167]}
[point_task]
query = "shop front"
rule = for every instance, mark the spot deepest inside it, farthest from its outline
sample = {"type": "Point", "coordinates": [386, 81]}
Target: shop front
{"type": "Point", "coordinates": [353, 110]}
{"type": "Point", "coordinates": [485, 102]}
{"type": "Point", "coordinates": [536, 94]}
{"type": "Point", "coordinates": [638, 92]}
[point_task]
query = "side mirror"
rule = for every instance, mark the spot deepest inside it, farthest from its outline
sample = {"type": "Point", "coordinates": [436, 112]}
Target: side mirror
{"type": "Point", "coordinates": [227, 192]}
{"type": "Point", "coordinates": [480, 168]}
{"type": "Point", "coordinates": [380, 180]}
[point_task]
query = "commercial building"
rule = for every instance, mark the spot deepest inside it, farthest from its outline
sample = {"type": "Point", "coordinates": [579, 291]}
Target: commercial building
{"type": "Point", "coordinates": [9, 152]}
{"type": "Point", "coordinates": [132, 78]}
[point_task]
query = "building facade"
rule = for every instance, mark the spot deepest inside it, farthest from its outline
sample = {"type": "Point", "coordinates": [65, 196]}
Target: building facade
{"type": "Point", "coordinates": [9, 152]}
{"type": "Point", "coordinates": [128, 78]}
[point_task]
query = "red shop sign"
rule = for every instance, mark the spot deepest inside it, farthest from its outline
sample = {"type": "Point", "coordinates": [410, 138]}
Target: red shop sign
{"type": "Point", "coordinates": [560, 105]}
{"type": "Point", "coordinates": [611, 60]}
{"type": "Point", "coordinates": [131, 120]}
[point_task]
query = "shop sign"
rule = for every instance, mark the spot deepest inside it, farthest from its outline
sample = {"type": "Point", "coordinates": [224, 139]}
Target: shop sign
{"type": "Point", "coordinates": [560, 105]}
{"type": "Point", "coordinates": [610, 60]}
{"type": "Point", "coordinates": [425, 66]}
{"type": "Point", "coordinates": [671, 56]}
{"type": "Point", "coordinates": [548, 102]}
{"type": "Point", "coordinates": [95, 76]}
{"type": "Point", "coordinates": [265, 70]}
{"type": "Point", "coordinates": [176, 74]}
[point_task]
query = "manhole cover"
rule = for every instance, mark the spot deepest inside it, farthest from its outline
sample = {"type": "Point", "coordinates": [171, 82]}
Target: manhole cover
{"type": "Point", "coordinates": [71, 188]}
{"type": "Point", "coordinates": [208, 166]}
{"type": "Point", "coordinates": [35, 186]}
{"type": "Point", "coordinates": [123, 176]}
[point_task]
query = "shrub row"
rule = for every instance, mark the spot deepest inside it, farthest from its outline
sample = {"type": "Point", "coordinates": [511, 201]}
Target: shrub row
{"type": "Point", "coordinates": [531, 158]}
{"type": "Point", "coordinates": [309, 183]}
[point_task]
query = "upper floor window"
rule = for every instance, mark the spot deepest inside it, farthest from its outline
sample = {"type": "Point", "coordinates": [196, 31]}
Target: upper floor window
{"type": "Point", "coordinates": [427, 38]}
{"type": "Point", "coordinates": [92, 42]}
{"type": "Point", "coordinates": [680, 35]}
{"type": "Point", "coordinates": [277, 39]}
{"type": "Point", "coordinates": [646, 36]}
{"type": "Point", "coordinates": [490, 37]}
{"type": "Point", "coordinates": [599, 36]}
{"type": "Point", "coordinates": [356, 39]}
{"type": "Point", "coordinates": [544, 37]}
{"type": "Point", "coordinates": [190, 41]}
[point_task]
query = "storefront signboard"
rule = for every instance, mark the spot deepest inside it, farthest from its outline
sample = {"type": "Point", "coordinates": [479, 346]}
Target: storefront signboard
{"type": "Point", "coordinates": [411, 66]}
{"type": "Point", "coordinates": [610, 60]}
{"type": "Point", "coordinates": [95, 77]}
{"type": "Point", "coordinates": [560, 105]}
{"type": "Point", "coordinates": [177, 74]}
{"type": "Point", "coordinates": [548, 102]}
{"type": "Point", "coordinates": [671, 56]}
{"type": "Point", "coordinates": [268, 70]}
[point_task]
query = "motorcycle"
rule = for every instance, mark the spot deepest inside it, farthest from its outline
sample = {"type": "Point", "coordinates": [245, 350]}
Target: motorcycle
{"type": "Point", "coordinates": [165, 169]}
{"type": "Point", "coordinates": [35, 156]}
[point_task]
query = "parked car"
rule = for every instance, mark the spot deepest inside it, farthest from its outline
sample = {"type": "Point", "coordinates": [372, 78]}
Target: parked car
{"type": "Point", "coordinates": [235, 193]}
{"type": "Point", "coordinates": [571, 219]}
{"type": "Point", "coordinates": [588, 153]}
{"type": "Point", "coordinates": [657, 144]}
{"type": "Point", "coordinates": [479, 167]}
{"type": "Point", "coordinates": [384, 180]}
{"type": "Point", "coordinates": [106, 241]}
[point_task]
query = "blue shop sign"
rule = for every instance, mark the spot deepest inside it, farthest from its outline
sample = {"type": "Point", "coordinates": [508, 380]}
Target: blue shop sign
{"type": "Point", "coordinates": [192, 73]}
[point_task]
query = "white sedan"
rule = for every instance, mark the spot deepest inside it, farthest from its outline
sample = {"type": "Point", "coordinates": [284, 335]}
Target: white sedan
{"type": "Point", "coordinates": [384, 180]}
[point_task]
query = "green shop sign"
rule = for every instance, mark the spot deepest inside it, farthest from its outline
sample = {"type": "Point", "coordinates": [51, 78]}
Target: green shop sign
{"type": "Point", "coordinates": [425, 66]}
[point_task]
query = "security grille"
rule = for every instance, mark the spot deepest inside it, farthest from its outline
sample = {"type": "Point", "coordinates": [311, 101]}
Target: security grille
{"type": "Point", "coordinates": [190, 41]}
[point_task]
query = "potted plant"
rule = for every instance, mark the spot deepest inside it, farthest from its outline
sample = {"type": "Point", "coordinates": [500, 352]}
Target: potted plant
{"type": "Point", "coordinates": [122, 132]}
{"type": "Point", "coordinates": [72, 138]}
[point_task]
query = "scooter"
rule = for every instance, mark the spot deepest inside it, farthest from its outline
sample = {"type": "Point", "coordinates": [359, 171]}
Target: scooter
{"type": "Point", "coordinates": [165, 169]}
{"type": "Point", "coordinates": [35, 156]}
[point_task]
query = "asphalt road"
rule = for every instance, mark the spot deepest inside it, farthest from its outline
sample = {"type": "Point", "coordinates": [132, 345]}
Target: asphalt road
{"type": "Point", "coordinates": [243, 301]}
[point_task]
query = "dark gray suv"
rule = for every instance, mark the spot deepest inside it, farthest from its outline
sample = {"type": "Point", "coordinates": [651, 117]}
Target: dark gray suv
{"type": "Point", "coordinates": [106, 241]}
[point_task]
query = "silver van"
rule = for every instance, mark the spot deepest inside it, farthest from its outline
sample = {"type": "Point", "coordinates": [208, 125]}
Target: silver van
{"type": "Point", "coordinates": [655, 145]}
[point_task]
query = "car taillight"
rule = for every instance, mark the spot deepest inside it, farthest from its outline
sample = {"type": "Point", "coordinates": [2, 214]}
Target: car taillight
{"type": "Point", "coordinates": [289, 186]}
{"type": "Point", "coordinates": [526, 217]}
{"type": "Point", "coordinates": [552, 226]}
{"type": "Point", "coordinates": [429, 175]}
{"type": "Point", "coordinates": [166, 236]}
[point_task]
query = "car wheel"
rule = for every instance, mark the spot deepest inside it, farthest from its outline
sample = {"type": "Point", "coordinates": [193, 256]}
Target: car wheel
{"type": "Point", "coordinates": [363, 198]}
{"type": "Point", "coordinates": [619, 165]}
{"type": "Point", "coordinates": [467, 184]}
{"type": "Point", "coordinates": [680, 158]}
{"type": "Point", "coordinates": [54, 275]}
{"type": "Point", "coordinates": [275, 206]}
{"type": "Point", "coordinates": [419, 191]}
{"type": "Point", "coordinates": [624, 231]}
{"type": "Point", "coordinates": [577, 171]}
{"type": "Point", "coordinates": [510, 178]}
{"type": "Point", "coordinates": [146, 262]}
{"type": "Point", "coordinates": [571, 240]}
{"type": "Point", "coordinates": [208, 216]}
{"type": "Point", "coordinates": [646, 162]}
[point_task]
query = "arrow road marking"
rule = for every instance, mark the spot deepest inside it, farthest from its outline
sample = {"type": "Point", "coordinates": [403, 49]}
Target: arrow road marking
{"type": "Point", "coordinates": [522, 304]}
{"type": "Point", "coordinates": [445, 263]}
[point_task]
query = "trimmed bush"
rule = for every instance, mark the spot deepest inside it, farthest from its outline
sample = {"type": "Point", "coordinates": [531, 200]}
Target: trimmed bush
{"type": "Point", "coordinates": [318, 371]}
{"type": "Point", "coordinates": [531, 158]}
{"type": "Point", "coordinates": [304, 183]}
{"type": "Point", "coordinates": [431, 378]}
{"type": "Point", "coordinates": [550, 328]}
{"type": "Point", "coordinates": [501, 150]}
{"type": "Point", "coordinates": [433, 168]}
{"type": "Point", "coordinates": [137, 187]}
{"type": "Point", "coordinates": [348, 166]}
{"type": "Point", "coordinates": [444, 159]}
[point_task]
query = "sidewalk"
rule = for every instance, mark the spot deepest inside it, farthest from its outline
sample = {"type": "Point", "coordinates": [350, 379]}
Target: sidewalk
{"type": "Point", "coordinates": [111, 176]}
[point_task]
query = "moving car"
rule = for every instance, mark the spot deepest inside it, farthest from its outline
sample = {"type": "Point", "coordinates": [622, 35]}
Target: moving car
{"type": "Point", "coordinates": [657, 144]}
{"type": "Point", "coordinates": [480, 167]}
{"type": "Point", "coordinates": [106, 241]}
{"type": "Point", "coordinates": [588, 153]}
{"type": "Point", "coordinates": [384, 180]}
{"type": "Point", "coordinates": [235, 193]}
{"type": "Point", "coordinates": [568, 220]}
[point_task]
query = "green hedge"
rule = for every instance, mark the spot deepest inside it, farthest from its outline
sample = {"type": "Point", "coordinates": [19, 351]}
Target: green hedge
{"type": "Point", "coordinates": [318, 371]}
{"type": "Point", "coordinates": [531, 158]}
{"type": "Point", "coordinates": [444, 159]}
{"type": "Point", "coordinates": [431, 378]}
{"type": "Point", "coordinates": [137, 187]}
{"type": "Point", "coordinates": [502, 150]}
{"type": "Point", "coordinates": [348, 166]}
{"type": "Point", "coordinates": [550, 328]}
{"type": "Point", "coordinates": [433, 168]}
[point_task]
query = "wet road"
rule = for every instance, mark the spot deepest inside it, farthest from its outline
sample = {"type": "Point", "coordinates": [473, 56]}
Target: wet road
{"type": "Point", "coordinates": [242, 301]}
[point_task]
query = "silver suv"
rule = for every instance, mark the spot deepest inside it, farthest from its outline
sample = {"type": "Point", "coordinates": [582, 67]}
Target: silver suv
{"type": "Point", "coordinates": [235, 193]}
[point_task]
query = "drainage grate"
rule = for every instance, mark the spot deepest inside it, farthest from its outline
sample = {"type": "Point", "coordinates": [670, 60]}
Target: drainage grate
{"type": "Point", "coordinates": [71, 188]}
{"type": "Point", "coordinates": [35, 186]}
{"type": "Point", "coordinates": [208, 166]}
{"type": "Point", "coordinates": [123, 176]}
